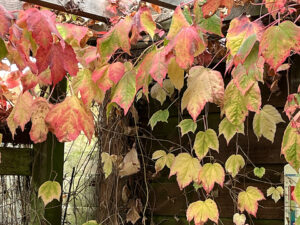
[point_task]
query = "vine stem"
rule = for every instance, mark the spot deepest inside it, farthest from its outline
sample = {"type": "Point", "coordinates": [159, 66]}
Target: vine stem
{"type": "Point", "coordinates": [221, 61]}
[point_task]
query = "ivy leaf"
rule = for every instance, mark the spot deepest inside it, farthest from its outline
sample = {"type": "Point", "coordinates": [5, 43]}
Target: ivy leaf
{"type": "Point", "coordinates": [39, 129]}
{"type": "Point", "coordinates": [259, 172]}
{"type": "Point", "coordinates": [204, 85]}
{"type": "Point", "coordinates": [3, 49]}
{"type": "Point", "coordinates": [243, 80]}
{"type": "Point", "coordinates": [107, 163]}
{"type": "Point", "coordinates": [187, 44]}
{"type": "Point", "coordinates": [205, 141]}
{"type": "Point", "coordinates": [124, 92]}
{"type": "Point", "coordinates": [241, 37]}
{"type": "Point", "coordinates": [41, 23]}
{"type": "Point", "coordinates": [201, 211]}
{"type": "Point", "coordinates": [274, 50]}
{"type": "Point", "coordinates": [211, 6]}
{"type": "Point", "coordinates": [264, 123]}
{"type": "Point", "coordinates": [176, 74]}
{"type": "Point", "coordinates": [291, 109]}
{"type": "Point", "coordinates": [60, 60]}
{"type": "Point", "coordinates": [186, 168]}
{"type": "Point", "coordinates": [163, 159]}
{"type": "Point", "coordinates": [239, 219]}
{"type": "Point", "coordinates": [211, 24]}
{"type": "Point", "coordinates": [84, 84]}
{"type": "Point", "coordinates": [21, 113]}
{"type": "Point", "coordinates": [290, 147]}
{"type": "Point", "coordinates": [74, 35]}
{"type": "Point", "coordinates": [178, 22]}
{"type": "Point", "coordinates": [159, 67]}
{"type": "Point", "coordinates": [49, 191]}
{"type": "Point", "coordinates": [229, 130]}
{"type": "Point", "coordinates": [91, 222]}
{"type": "Point", "coordinates": [5, 17]}
{"type": "Point", "coordinates": [144, 22]}
{"type": "Point", "coordinates": [234, 164]}
{"type": "Point", "coordinates": [236, 105]}
{"type": "Point", "coordinates": [143, 77]}
{"type": "Point", "coordinates": [210, 174]}
{"type": "Point", "coordinates": [160, 93]}
{"type": "Point", "coordinates": [186, 126]}
{"type": "Point", "coordinates": [276, 193]}
{"type": "Point", "coordinates": [159, 116]}
{"type": "Point", "coordinates": [117, 37]}
{"type": "Point", "coordinates": [275, 6]}
{"type": "Point", "coordinates": [68, 118]}
{"type": "Point", "coordinates": [248, 200]}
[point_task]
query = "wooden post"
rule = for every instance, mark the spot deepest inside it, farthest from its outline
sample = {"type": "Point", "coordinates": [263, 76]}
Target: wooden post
{"type": "Point", "coordinates": [48, 165]}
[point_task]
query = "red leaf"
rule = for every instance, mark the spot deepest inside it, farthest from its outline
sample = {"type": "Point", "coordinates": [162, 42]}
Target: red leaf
{"type": "Point", "coordinates": [39, 128]}
{"type": "Point", "coordinates": [13, 79]}
{"type": "Point", "coordinates": [159, 68]}
{"type": "Point", "coordinates": [71, 33]}
{"type": "Point", "coordinates": [42, 25]}
{"type": "Point", "coordinates": [187, 44]}
{"type": "Point", "coordinates": [116, 71]}
{"type": "Point", "coordinates": [29, 80]}
{"type": "Point", "coordinates": [59, 60]}
{"type": "Point", "coordinates": [5, 21]}
{"type": "Point", "coordinates": [68, 118]}
{"type": "Point", "coordinates": [211, 6]}
{"type": "Point", "coordinates": [117, 37]}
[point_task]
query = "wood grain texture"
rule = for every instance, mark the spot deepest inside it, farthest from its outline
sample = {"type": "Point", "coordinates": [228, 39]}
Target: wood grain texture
{"type": "Point", "coordinates": [12, 165]}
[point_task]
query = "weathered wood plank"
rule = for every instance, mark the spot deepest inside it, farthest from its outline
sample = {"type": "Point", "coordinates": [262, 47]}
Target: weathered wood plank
{"type": "Point", "coordinates": [16, 161]}
{"type": "Point", "coordinates": [167, 200]}
{"type": "Point", "coordinates": [171, 220]}
{"type": "Point", "coordinates": [91, 9]}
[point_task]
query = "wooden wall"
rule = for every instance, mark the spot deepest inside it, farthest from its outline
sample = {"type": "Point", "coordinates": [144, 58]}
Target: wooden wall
{"type": "Point", "coordinates": [169, 203]}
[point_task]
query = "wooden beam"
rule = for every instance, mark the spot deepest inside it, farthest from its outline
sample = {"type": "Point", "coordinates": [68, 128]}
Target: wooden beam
{"type": "Point", "coordinates": [170, 4]}
{"type": "Point", "coordinates": [91, 9]}
{"type": "Point", "coordinates": [16, 161]}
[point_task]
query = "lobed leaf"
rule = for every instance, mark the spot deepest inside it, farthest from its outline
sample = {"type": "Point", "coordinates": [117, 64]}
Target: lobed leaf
{"type": "Point", "coordinates": [205, 141]}
{"type": "Point", "coordinates": [234, 164]}
{"type": "Point", "coordinates": [186, 169]}
{"type": "Point", "coordinates": [210, 174]}
{"type": "Point", "coordinates": [159, 116]}
{"type": "Point", "coordinates": [49, 191]}
{"type": "Point", "coordinates": [248, 200]}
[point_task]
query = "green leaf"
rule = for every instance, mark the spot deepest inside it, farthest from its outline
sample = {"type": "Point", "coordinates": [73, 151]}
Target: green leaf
{"type": "Point", "coordinates": [176, 74]}
{"type": "Point", "coordinates": [49, 191]}
{"type": "Point", "coordinates": [229, 130]}
{"type": "Point", "coordinates": [205, 141]}
{"type": "Point", "coordinates": [187, 125]}
{"type": "Point", "coordinates": [186, 168]}
{"type": "Point", "coordinates": [88, 89]}
{"type": "Point", "coordinates": [259, 172]}
{"type": "Point", "coordinates": [124, 92]}
{"type": "Point", "coordinates": [210, 174]}
{"type": "Point", "coordinates": [248, 200]}
{"type": "Point", "coordinates": [201, 211]}
{"type": "Point", "coordinates": [273, 48]}
{"type": "Point", "coordinates": [297, 221]}
{"type": "Point", "coordinates": [160, 93]}
{"type": "Point", "coordinates": [107, 163]}
{"type": "Point", "coordinates": [178, 22]}
{"type": "Point", "coordinates": [163, 159]}
{"type": "Point", "coordinates": [211, 24]}
{"type": "Point", "coordinates": [290, 147]}
{"type": "Point", "coordinates": [276, 193]}
{"type": "Point", "coordinates": [240, 30]}
{"type": "Point", "coordinates": [91, 222]}
{"type": "Point", "coordinates": [159, 116]}
{"type": "Point", "coordinates": [264, 122]}
{"type": "Point", "coordinates": [3, 50]}
{"type": "Point", "coordinates": [296, 193]}
{"type": "Point", "coordinates": [233, 164]}
{"type": "Point", "coordinates": [236, 105]}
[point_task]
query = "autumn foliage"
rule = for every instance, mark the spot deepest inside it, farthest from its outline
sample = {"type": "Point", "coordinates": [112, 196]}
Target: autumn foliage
{"type": "Point", "coordinates": [46, 52]}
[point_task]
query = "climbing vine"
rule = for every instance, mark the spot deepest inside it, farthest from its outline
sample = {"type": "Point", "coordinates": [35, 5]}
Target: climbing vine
{"type": "Point", "coordinates": [46, 52]}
